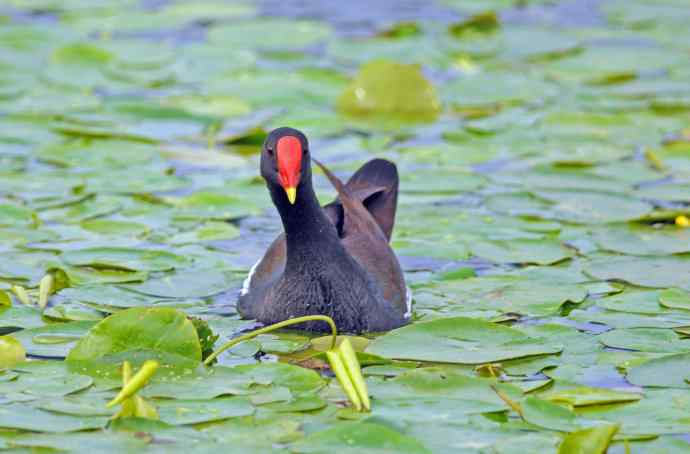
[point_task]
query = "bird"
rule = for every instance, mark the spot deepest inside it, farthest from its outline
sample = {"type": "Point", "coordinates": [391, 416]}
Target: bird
{"type": "Point", "coordinates": [334, 260]}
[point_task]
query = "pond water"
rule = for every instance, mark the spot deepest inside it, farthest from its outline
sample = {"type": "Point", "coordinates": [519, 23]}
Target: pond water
{"type": "Point", "coordinates": [544, 154]}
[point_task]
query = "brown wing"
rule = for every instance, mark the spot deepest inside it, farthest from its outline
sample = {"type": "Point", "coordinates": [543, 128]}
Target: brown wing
{"type": "Point", "coordinates": [373, 187]}
{"type": "Point", "coordinates": [366, 242]}
{"type": "Point", "coordinates": [375, 184]}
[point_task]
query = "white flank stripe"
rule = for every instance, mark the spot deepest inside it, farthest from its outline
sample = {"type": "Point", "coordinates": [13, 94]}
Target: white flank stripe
{"type": "Point", "coordinates": [247, 282]}
{"type": "Point", "coordinates": [408, 301]}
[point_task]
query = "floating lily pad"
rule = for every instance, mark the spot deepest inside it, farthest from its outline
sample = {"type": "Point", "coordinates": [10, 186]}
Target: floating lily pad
{"type": "Point", "coordinates": [270, 33]}
{"type": "Point", "coordinates": [584, 396]}
{"type": "Point", "coordinates": [178, 411]}
{"type": "Point", "coordinates": [354, 437]}
{"type": "Point", "coordinates": [196, 283]}
{"type": "Point", "coordinates": [24, 417]}
{"type": "Point", "coordinates": [54, 340]}
{"type": "Point", "coordinates": [389, 89]}
{"type": "Point", "coordinates": [646, 340]}
{"type": "Point", "coordinates": [639, 240]}
{"type": "Point", "coordinates": [459, 340]}
{"type": "Point", "coordinates": [595, 440]}
{"type": "Point", "coordinates": [668, 371]}
{"type": "Point", "coordinates": [675, 298]}
{"type": "Point", "coordinates": [125, 259]}
{"type": "Point", "coordinates": [11, 351]}
{"type": "Point", "coordinates": [541, 252]}
{"type": "Point", "coordinates": [162, 333]}
{"type": "Point", "coordinates": [659, 272]}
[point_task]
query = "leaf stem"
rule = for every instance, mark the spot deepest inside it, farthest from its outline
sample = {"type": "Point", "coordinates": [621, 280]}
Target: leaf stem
{"type": "Point", "coordinates": [275, 326]}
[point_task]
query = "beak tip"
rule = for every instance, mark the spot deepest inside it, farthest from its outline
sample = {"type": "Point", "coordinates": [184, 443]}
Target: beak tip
{"type": "Point", "coordinates": [291, 195]}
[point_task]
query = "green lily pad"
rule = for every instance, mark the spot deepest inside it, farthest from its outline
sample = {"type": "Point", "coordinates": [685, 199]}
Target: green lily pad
{"type": "Point", "coordinates": [675, 298]}
{"type": "Point", "coordinates": [270, 33]}
{"type": "Point", "coordinates": [609, 64]}
{"type": "Point", "coordinates": [162, 333]}
{"type": "Point", "coordinates": [584, 396]}
{"type": "Point", "coordinates": [53, 340]}
{"type": "Point", "coordinates": [645, 340]}
{"type": "Point", "coordinates": [211, 205]}
{"type": "Point", "coordinates": [459, 340]}
{"type": "Point", "coordinates": [595, 440]}
{"type": "Point", "coordinates": [210, 231]}
{"type": "Point", "coordinates": [540, 252]}
{"type": "Point", "coordinates": [352, 437]}
{"type": "Point", "coordinates": [178, 411]}
{"type": "Point", "coordinates": [656, 272]}
{"type": "Point", "coordinates": [389, 89]}
{"type": "Point", "coordinates": [24, 417]}
{"type": "Point", "coordinates": [239, 380]}
{"type": "Point", "coordinates": [96, 441]}
{"type": "Point", "coordinates": [496, 90]}
{"type": "Point", "coordinates": [549, 415]}
{"type": "Point", "coordinates": [196, 283]}
{"type": "Point", "coordinates": [14, 215]}
{"type": "Point", "coordinates": [124, 259]}
{"type": "Point", "coordinates": [11, 351]}
{"type": "Point", "coordinates": [638, 240]}
{"type": "Point", "coordinates": [668, 371]}
{"type": "Point", "coordinates": [111, 227]}
{"type": "Point", "coordinates": [48, 385]}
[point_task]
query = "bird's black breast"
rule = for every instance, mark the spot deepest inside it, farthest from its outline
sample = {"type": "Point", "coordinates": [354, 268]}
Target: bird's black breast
{"type": "Point", "coordinates": [338, 288]}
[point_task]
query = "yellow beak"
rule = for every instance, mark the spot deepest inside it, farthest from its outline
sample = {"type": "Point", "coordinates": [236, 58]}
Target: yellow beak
{"type": "Point", "coordinates": [291, 195]}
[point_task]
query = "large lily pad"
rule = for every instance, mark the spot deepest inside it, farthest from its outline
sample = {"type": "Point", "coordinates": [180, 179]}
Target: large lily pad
{"type": "Point", "coordinates": [357, 437]}
{"type": "Point", "coordinates": [25, 417]}
{"type": "Point", "coordinates": [460, 340]}
{"type": "Point", "coordinates": [188, 284]}
{"type": "Point", "coordinates": [163, 333]}
{"type": "Point", "coordinates": [390, 89]}
{"type": "Point", "coordinates": [658, 272]}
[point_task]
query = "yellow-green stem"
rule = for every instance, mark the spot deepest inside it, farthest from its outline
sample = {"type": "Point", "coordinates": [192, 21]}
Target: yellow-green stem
{"type": "Point", "coordinates": [275, 326]}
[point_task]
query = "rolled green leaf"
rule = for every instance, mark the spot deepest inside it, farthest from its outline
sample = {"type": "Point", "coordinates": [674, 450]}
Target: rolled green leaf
{"type": "Point", "coordinates": [136, 383]}
{"type": "Point", "coordinates": [343, 377]}
{"type": "Point", "coordinates": [126, 373]}
{"type": "Point", "coordinates": [45, 289]}
{"type": "Point", "coordinates": [354, 370]}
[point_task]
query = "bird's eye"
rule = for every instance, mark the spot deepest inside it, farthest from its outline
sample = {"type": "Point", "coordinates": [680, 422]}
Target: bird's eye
{"type": "Point", "coordinates": [269, 151]}
{"type": "Point", "coordinates": [306, 151]}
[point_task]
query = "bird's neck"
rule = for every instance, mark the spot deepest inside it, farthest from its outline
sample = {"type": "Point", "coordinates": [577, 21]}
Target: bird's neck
{"type": "Point", "coordinates": [308, 231]}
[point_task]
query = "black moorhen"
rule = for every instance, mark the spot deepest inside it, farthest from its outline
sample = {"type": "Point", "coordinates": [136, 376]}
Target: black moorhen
{"type": "Point", "coordinates": [333, 260]}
